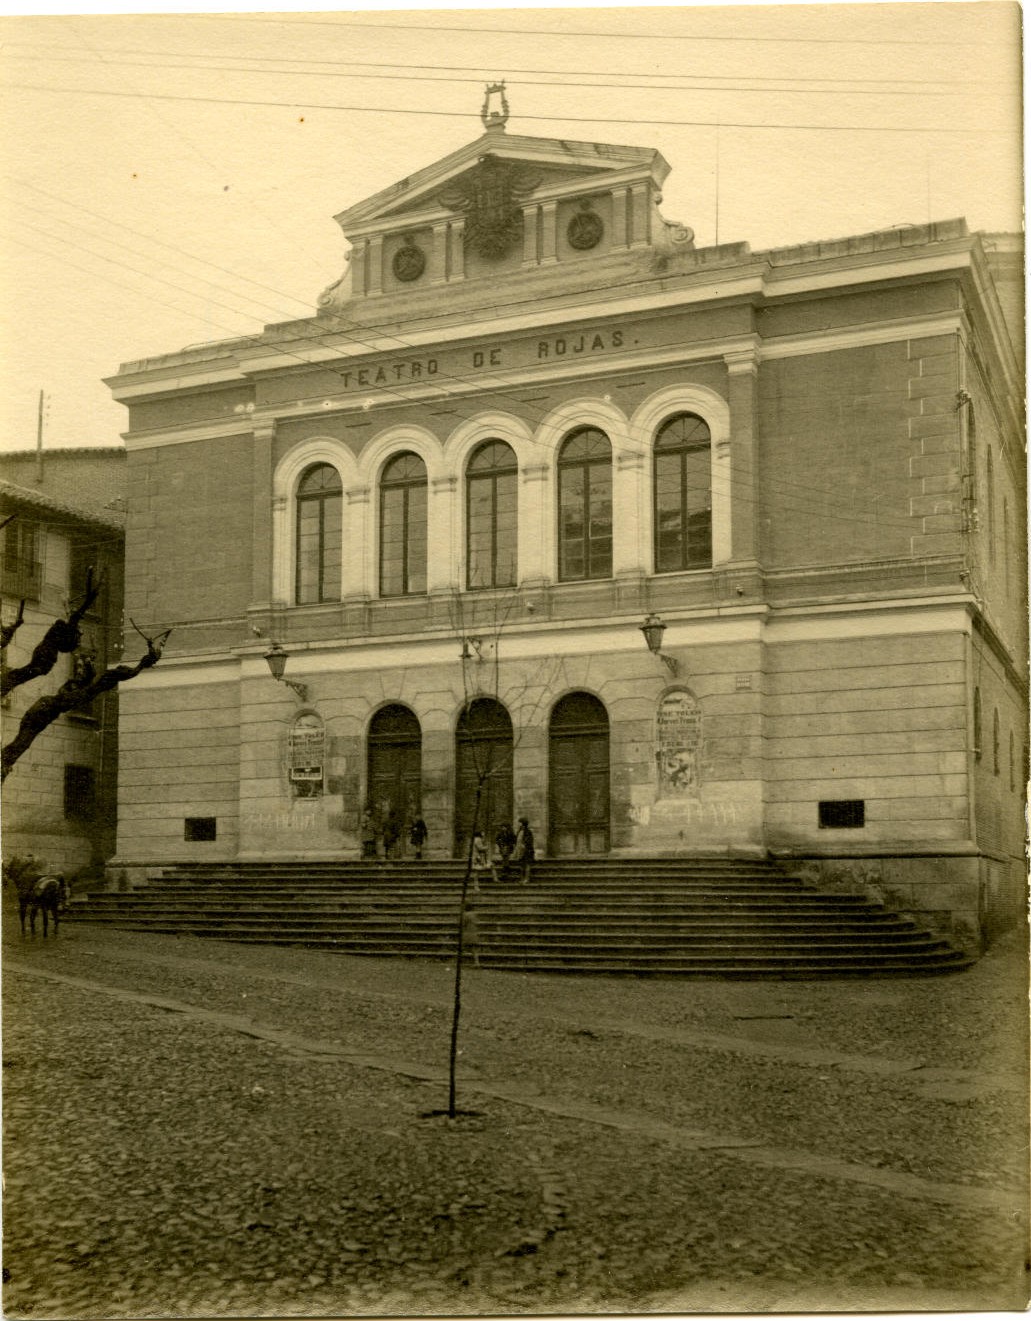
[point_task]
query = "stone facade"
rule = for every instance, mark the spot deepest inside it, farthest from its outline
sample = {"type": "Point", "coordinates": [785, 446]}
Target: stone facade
{"type": "Point", "coordinates": [862, 582]}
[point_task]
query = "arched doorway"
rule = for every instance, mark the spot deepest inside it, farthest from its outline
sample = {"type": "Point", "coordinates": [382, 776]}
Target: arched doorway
{"type": "Point", "coordinates": [578, 776]}
{"type": "Point", "coordinates": [483, 746]}
{"type": "Point", "coordinates": [395, 765]}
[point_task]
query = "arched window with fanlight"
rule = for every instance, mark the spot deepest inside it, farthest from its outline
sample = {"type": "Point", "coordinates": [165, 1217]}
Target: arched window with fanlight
{"type": "Point", "coordinates": [319, 509]}
{"type": "Point", "coordinates": [402, 527]}
{"type": "Point", "coordinates": [585, 506]}
{"type": "Point", "coordinates": [683, 494]}
{"type": "Point", "coordinates": [491, 516]}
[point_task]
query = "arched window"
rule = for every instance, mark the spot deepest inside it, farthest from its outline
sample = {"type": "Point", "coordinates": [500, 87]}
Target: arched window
{"type": "Point", "coordinates": [585, 506]}
{"type": "Point", "coordinates": [977, 724]}
{"type": "Point", "coordinates": [995, 741]}
{"type": "Point", "coordinates": [319, 505]}
{"type": "Point", "coordinates": [402, 527]}
{"type": "Point", "coordinates": [683, 495]}
{"type": "Point", "coordinates": [491, 510]}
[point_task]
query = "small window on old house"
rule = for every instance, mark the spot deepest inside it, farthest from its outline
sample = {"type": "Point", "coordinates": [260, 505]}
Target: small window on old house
{"type": "Point", "coordinates": [22, 566]}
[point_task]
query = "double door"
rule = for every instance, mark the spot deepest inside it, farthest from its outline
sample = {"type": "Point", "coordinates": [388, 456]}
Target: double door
{"type": "Point", "coordinates": [578, 777]}
{"type": "Point", "coordinates": [395, 772]}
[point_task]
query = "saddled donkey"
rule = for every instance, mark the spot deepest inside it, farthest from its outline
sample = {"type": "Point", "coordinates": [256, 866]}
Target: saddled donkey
{"type": "Point", "coordinates": [37, 893]}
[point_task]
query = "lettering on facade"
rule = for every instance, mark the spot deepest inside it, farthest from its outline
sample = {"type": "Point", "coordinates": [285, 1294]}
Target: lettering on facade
{"type": "Point", "coordinates": [678, 744]}
{"type": "Point", "coordinates": [275, 821]}
{"type": "Point", "coordinates": [561, 346]}
{"type": "Point", "coordinates": [520, 353]}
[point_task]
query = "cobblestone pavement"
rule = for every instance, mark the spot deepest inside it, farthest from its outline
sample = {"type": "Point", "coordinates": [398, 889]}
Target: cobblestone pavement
{"type": "Point", "coordinates": [193, 1128]}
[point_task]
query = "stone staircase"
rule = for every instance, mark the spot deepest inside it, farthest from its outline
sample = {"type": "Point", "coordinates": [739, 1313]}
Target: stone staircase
{"type": "Point", "coordinates": [661, 916]}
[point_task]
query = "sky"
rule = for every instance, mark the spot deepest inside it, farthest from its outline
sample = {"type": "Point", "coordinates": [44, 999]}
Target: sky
{"type": "Point", "coordinates": [172, 179]}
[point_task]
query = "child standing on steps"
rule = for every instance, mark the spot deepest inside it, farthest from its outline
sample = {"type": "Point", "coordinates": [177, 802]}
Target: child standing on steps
{"type": "Point", "coordinates": [481, 862]}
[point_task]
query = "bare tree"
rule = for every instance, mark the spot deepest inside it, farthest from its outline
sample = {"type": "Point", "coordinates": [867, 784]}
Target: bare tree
{"type": "Point", "coordinates": [63, 638]}
{"type": "Point", "coordinates": [481, 677]}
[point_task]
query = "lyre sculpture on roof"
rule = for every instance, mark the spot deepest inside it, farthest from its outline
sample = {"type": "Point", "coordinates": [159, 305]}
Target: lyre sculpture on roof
{"type": "Point", "coordinates": [494, 118]}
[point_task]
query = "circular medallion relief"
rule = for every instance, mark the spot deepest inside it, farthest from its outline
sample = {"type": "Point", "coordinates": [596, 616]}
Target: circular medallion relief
{"type": "Point", "coordinates": [585, 230]}
{"type": "Point", "coordinates": [409, 263]}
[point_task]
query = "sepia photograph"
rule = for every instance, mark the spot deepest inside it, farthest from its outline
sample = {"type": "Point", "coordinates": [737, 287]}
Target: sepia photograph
{"type": "Point", "coordinates": [514, 662]}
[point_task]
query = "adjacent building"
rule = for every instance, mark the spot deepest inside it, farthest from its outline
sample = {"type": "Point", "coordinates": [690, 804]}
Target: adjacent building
{"type": "Point", "coordinates": [63, 513]}
{"type": "Point", "coordinates": [532, 417]}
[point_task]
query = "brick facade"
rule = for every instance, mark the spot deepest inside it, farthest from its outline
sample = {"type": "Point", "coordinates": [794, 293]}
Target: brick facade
{"type": "Point", "coordinates": [828, 654]}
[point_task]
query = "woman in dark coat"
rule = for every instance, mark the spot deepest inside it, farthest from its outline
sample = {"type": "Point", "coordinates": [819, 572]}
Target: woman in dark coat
{"type": "Point", "coordinates": [523, 852]}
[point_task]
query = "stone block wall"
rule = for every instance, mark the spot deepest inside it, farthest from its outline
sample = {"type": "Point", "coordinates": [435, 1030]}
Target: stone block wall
{"type": "Point", "coordinates": [180, 758]}
{"type": "Point", "coordinates": [881, 719]}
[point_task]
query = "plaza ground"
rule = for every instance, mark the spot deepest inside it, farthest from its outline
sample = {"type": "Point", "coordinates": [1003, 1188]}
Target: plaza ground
{"type": "Point", "coordinates": [193, 1128]}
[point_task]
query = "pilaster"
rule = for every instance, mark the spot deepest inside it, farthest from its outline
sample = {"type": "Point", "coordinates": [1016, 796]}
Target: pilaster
{"type": "Point", "coordinates": [549, 233]}
{"type": "Point", "coordinates": [530, 227]}
{"type": "Point", "coordinates": [456, 250]}
{"type": "Point", "coordinates": [358, 569]}
{"type": "Point", "coordinates": [536, 546]}
{"type": "Point", "coordinates": [261, 512]}
{"type": "Point", "coordinates": [374, 265]}
{"type": "Point", "coordinates": [640, 216]}
{"type": "Point", "coordinates": [620, 211]}
{"type": "Point", "coordinates": [743, 396]}
{"type": "Point", "coordinates": [442, 524]}
{"type": "Point", "coordinates": [439, 260]}
{"type": "Point", "coordinates": [629, 524]}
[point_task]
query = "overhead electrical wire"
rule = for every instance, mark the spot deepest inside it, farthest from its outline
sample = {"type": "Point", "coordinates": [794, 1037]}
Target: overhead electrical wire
{"type": "Point", "coordinates": [406, 69]}
{"type": "Point", "coordinates": [549, 119]}
{"type": "Point", "coordinates": [845, 512]}
{"type": "Point", "coordinates": [169, 124]}
{"type": "Point", "coordinates": [620, 36]}
{"type": "Point", "coordinates": [566, 82]}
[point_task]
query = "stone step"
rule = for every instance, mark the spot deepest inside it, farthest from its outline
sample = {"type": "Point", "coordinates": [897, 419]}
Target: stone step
{"type": "Point", "coordinates": [622, 916]}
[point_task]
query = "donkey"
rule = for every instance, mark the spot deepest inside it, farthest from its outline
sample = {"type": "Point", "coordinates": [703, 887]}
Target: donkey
{"type": "Point", "coordinates": [37, 893]}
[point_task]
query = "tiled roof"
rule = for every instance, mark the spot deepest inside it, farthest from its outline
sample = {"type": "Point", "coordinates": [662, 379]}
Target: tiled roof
{"type": "Point", "coordinates": [109, 518]}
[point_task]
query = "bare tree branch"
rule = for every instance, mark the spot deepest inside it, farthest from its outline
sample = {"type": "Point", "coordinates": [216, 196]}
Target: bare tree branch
{"type": "Point", "coordinates": [7, 631]}
{"type": "Point", "coordinates": [79, 691]}
{"type": "Point", "coordinates": [61, 638]}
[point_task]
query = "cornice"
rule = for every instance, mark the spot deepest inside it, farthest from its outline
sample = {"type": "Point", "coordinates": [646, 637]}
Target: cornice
{"type": "Point", "coordinates": [756, 280]}
{"type": "Point", "coordinates": [741, 352]}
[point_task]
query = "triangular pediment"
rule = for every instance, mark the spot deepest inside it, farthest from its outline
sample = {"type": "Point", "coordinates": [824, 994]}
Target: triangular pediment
{"type": "Point", "coordinates": [540, 167]}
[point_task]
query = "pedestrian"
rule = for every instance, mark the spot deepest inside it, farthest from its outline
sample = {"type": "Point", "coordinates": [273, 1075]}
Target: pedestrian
{"type": "Point", "coordinates": [391, 833]}
{"type": "Point", "coordinates": [523, 852]}
{"type": "Point", "coordinates": [368, 832]}
{"type": "Point", "coordinates": [480, 860]}
{"type": "Point", "coordinates": [504, 843]}
{"type": "Point", "coordinates": [417, 836]}
{"type": "Point", "coordinates": [471, 933]}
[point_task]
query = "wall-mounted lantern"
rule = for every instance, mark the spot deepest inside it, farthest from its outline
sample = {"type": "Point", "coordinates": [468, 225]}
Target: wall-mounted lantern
{"type": "Point", "coordinates": [653, 628]}
{"type": "Point", "coordinates": [277, 657]}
